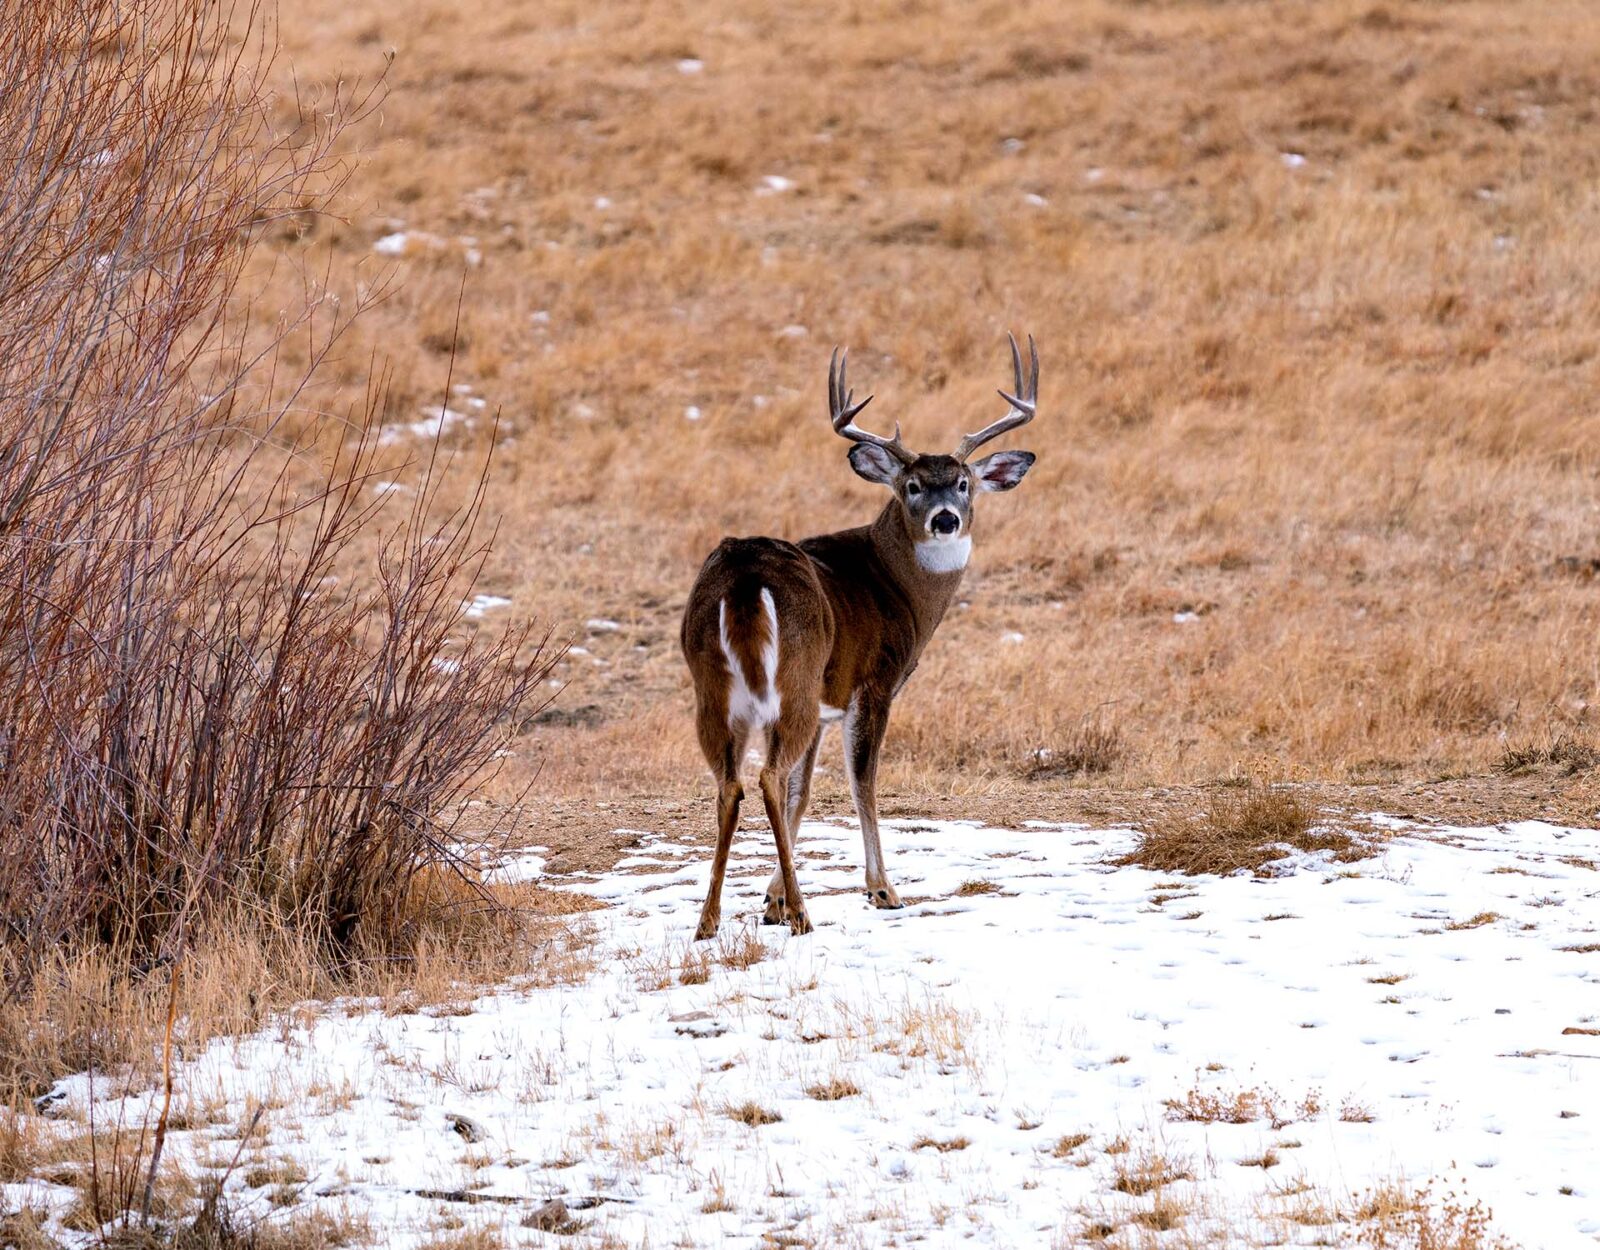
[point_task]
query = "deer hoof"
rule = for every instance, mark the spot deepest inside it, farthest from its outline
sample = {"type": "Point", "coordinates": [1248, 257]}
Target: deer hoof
{"type": "Point", "coordinates": [707, 928]}
{"type": "Point", "coordinates": [777, 912]}
{"type": "Point", "coordinates": [799, 923]}
{"type": "Point", "coordinates": [884, 898]}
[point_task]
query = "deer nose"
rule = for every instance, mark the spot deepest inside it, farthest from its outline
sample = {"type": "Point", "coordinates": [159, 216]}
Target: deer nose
{"type": "Point", "coordinates": [945, 522]}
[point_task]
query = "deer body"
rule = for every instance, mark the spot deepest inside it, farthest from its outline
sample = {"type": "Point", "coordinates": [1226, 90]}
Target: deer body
{"type": "Point", "coordinates": [780, 637]}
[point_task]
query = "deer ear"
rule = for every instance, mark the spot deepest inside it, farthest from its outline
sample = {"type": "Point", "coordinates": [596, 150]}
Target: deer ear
{"type": "Point", "coordinates": [874, 464]}
{"type": "Point", "coordinates": [1003, 470]}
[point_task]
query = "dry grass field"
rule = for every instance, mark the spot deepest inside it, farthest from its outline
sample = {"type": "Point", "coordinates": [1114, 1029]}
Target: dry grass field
{"type": "Point", "coordinates": [1316, 292]}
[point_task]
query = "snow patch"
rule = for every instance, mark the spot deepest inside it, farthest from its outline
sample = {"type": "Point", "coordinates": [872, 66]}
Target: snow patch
{"type": "Point", "coordinates": [1031, 992]}
{"type": "Point", "coordinates": [480, 604]}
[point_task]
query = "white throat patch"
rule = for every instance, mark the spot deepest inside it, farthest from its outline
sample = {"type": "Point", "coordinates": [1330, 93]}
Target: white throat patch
{"type": "Point", "coordinates": [938, 556]}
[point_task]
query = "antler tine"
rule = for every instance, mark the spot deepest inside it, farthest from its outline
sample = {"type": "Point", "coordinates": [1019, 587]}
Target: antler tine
{"type": "Point", "coordinates": [1022, 403]}
{"type": "Point", "coordinates": [843, 412]}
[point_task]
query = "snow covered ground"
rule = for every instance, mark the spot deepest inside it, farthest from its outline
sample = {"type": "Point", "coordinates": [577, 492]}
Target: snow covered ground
{"type": "Point", "coordinates": [1038, 1048]}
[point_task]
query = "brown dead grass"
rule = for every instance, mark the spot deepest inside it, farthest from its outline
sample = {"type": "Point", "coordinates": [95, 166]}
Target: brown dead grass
{"type": "Point", "coordinates": [1400, 1217]}
{"type": "Point", "coordinates": [1563, 751]}
{"type": "Point", "coordinates": [751, 1113]}
{"type": "Point", "coordinates": [88, 1010]}
{"type": "Point", "coordinates": [1146, 1171]}
{"type": "Point", "coordinates": [1243, 1106]}
{"type": "Point", "coordinates": [944, 1145]}
{"type": "Point", "coordinates": [1238, 828]}
{"type": "Point", "coordinates": [833, 1089]}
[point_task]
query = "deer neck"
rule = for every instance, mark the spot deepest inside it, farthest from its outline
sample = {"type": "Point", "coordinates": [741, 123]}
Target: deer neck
{"type": "Point", "coordinates": [929, 590]}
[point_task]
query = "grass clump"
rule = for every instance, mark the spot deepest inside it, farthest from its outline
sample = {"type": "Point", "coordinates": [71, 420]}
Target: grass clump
{"type": "Point", "coordinates": [1238, 830]}
{"type": "Point", "coordinates": [752, 1113]}
{"type": "Point", "coordinates": [944, 1145]}
{"type": "Point", "coordinates": [1090, 749]}
{"type": "Point", "coordinates": [1137, 1175]}
{"type": "Point", "coordinates": [1564, 752]}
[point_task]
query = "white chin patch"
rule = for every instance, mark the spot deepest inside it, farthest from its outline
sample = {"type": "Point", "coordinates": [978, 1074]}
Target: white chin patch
{"type": "Point", "coordinates": [944, 555]}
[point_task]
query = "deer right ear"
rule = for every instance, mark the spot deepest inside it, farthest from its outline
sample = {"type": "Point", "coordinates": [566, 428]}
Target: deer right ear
{"type": "Point", "coordinates": [875, 464]}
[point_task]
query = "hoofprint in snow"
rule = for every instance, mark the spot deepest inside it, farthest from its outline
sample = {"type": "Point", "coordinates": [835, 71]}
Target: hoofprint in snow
{"type": "Point", "coordinates": [1000, 1063]}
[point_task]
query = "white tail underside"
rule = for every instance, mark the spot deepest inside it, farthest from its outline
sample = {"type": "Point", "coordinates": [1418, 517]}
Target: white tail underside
{"type": "Point", "coordinates": [745, 707]}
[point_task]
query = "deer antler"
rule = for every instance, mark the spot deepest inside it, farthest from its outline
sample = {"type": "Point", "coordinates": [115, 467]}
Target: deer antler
{"type": "Point", "coordinates": [843, 412]}
{"type": "Point", "coordinates": [1022, 403]}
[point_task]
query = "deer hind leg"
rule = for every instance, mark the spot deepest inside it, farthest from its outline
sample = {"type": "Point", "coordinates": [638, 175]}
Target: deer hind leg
{"type": "Point", "coordinates": [864, 726]}
{"type": "Point", "coordinates": [723, 754]}
{"type": "Point", "coordinates": [774, 791]}
{"type": "Point", "coordinates": [797, 794]}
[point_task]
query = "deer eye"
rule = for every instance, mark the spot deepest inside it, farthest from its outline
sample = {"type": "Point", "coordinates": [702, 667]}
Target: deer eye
{"type": "Point", "coordinates": [962, 486]}
{"type": "Point", "coordinates": [913, 490]}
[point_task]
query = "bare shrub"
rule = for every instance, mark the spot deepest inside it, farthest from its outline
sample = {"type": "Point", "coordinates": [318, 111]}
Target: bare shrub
{"type": "Point", "coordinates": [194, 712]}
{"type": "Point", "coordinates": [1239, 828]}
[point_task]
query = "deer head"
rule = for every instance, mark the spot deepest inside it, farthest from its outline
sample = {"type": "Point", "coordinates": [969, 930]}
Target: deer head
{"type": "Point", "coordinates": [935, 492]}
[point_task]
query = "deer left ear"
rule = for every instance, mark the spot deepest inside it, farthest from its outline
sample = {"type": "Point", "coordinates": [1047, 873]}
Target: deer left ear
{"type": "Point", "coordinates": [874, 464]}
{"type": "Point", "coordinates": [1003, 470]}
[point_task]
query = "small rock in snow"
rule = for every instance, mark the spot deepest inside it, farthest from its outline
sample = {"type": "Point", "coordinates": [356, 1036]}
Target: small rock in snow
{"type": "Point", "coordinates": [697, 1024]}
{"type": "Point", "coordinates": [548, 1218]}
{"type": "Point", "coordinates": [47, 1104]}
{"type": "Point", "coordinates": [466, 1126]}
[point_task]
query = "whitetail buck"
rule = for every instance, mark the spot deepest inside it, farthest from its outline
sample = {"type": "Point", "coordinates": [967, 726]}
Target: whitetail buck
{"type": "Point", "coordinates": [780, 636]}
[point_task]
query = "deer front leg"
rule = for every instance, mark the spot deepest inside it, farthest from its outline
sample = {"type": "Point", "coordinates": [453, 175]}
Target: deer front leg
{"type": "Point", "coordinates": [798, 794]}
{"type": "Point", "coordinates": [864, 726]}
